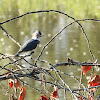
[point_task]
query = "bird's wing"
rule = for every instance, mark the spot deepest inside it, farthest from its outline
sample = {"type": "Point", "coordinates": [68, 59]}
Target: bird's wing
{"type": "Point", "coordinates": [29, 45]}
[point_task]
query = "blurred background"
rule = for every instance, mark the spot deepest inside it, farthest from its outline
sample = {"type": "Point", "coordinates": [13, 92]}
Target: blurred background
{"type": "Point", "coordinates": [70, 43]}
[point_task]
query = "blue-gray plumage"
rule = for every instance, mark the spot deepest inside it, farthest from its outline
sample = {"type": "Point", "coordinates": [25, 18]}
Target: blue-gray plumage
{"type": "Point", "coordinates": [30, 44]}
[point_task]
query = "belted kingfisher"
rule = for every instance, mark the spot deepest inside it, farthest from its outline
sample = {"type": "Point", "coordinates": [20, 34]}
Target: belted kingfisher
{"type": "Point", "coordinates": [30, 44]}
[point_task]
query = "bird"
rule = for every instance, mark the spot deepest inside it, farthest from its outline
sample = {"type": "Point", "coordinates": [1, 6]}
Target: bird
{"type": "Point", "coordinates": [31, 44]}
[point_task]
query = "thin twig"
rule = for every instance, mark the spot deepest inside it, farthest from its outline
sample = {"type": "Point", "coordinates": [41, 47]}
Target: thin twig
{"type": "Point", "coordinates": [10, 36]}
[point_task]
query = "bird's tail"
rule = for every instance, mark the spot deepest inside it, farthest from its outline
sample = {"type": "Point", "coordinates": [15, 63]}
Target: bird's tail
{"type": "Point", "coordinates": [17, 54]}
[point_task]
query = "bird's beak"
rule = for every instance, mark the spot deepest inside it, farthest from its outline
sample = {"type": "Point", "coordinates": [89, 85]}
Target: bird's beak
{"type": "Point", "coordinates": [42, 35]}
